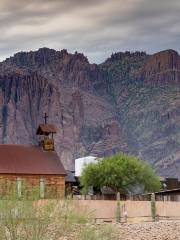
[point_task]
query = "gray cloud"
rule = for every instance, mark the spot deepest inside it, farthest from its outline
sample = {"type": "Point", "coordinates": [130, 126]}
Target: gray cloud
{"type": "Point", "coordinates": [95, 27]}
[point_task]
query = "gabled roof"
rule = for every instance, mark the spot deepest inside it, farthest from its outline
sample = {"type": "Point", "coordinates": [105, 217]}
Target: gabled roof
{"type": "Point", "coordinates": [46, 129]}
{"type": "Point", "coordinates": [23, 159]}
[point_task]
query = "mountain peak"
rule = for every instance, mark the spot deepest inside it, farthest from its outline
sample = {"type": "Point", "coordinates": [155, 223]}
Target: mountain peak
{"type": "Point", "coordinates": [118, 56]}
{"type": "Point", "coordinates": [167, 51]}
{"type": "Point", "coordinates": [42, 56]}
{"type": "Point", "coordinates": [162, 67]}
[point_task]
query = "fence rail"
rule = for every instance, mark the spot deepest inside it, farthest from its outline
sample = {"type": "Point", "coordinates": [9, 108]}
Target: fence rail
{"type": "Point", "coordinates": [137, 219]}
{"type": "Point", "coordinates": [164, 198]}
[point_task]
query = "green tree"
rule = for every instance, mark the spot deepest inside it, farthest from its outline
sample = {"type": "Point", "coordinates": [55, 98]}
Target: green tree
{"type": "Point", "coordinates": [121, 173]}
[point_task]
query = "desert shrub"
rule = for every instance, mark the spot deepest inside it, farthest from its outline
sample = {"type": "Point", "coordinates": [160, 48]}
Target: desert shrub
{"type": "Point", "coordinates": [22, 219]}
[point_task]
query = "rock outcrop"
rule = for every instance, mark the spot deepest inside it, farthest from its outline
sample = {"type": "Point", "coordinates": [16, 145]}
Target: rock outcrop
{"type": "Point", "coordinates": [162, 68]}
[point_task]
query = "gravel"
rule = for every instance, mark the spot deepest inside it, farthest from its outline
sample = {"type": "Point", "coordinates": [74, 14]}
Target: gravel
{"type": "Point", "coordinates": [162, 230]}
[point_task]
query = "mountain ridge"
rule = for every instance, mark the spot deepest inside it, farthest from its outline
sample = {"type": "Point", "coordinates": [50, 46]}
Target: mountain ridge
{"type": "Point", "coordinates": [128, 103]}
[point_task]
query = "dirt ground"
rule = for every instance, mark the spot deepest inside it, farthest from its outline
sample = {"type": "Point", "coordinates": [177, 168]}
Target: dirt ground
{"type": "Point", "coordinates": [162, 230]}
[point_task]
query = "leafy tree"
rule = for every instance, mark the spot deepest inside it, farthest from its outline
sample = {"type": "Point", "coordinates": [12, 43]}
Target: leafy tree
{"type": "Point", "coordinates": [121, 173]}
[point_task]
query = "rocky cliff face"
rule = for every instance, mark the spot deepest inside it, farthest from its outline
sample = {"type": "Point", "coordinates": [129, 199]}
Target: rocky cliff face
{"type": "Point", "coordinates": [129, 103]}
{"type": "Point", "coordinates": [162, 68]}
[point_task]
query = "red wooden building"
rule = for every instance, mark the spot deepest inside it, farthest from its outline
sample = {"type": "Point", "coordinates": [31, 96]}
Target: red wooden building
{"type": "Point", "coordinates": [28, 168]}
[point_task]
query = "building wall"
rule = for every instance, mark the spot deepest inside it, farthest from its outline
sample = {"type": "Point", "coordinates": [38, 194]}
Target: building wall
{"type": "Point", "coordinates": [168, 196]}
{"type": "Point", "coordinates": [29, 186]}
{"type": "Point", "coordinates": [81, 162]}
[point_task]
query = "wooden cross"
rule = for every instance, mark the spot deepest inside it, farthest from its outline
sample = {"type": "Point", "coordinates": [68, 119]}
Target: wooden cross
{"type": "Point", "coordinates": [45, 117]}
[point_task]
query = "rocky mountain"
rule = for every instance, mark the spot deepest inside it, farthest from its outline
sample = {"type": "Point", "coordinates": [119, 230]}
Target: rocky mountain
{"type": "Point", "coordinates": [129, 103]}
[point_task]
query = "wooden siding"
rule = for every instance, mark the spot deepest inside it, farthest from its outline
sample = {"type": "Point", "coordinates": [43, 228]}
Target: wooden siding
{"type": "Point", "coordinates": [54, 185]}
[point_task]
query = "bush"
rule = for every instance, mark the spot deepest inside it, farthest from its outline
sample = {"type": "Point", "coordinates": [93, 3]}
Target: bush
{"type": "Point", "coordinates": [49, 219]}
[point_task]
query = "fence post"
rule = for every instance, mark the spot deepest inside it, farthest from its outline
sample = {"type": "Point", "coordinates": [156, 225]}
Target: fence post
{"type": "Point", "coordinates": [153, 207]}
{"type": "Point", "coordinates": [118, 209]}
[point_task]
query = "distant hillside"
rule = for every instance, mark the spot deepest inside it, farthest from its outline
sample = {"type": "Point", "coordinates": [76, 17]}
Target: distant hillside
{"type": "Point", "coordinates": [129, 103]}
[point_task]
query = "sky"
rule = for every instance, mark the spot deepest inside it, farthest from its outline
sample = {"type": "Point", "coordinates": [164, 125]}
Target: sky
{"type": "Point", "coordinates": [95, 27]}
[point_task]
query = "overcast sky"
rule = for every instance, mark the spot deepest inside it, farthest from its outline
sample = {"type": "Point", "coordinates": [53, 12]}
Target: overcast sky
{"type": "Point", "coordinates": [95, 27]}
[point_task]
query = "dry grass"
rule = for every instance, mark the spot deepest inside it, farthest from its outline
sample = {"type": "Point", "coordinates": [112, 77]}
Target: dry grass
{"type": "Point", "coordinates": [50, 220]}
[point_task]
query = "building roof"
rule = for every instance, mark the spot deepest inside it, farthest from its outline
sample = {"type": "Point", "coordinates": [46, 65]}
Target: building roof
{"type": "Point", "coordinates": [163, 192]}
{"type": "Point", "coordinates": [46, 129]}
{"type": "Point", "coordinates": [168, 191]}
{"type": "Point", "coordinates": [23, 159]}
{"type": "Point", "coordinates": [70, 177]}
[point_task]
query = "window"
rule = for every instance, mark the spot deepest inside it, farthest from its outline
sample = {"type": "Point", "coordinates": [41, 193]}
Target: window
{"type": "Point", "coordinates": [19, 187]}
{"type": "Point", "coordinates": [42, 187]}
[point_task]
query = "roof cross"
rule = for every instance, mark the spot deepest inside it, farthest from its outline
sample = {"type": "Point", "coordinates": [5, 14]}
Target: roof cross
{"type": "Point", "coordinates": [45, 117]}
